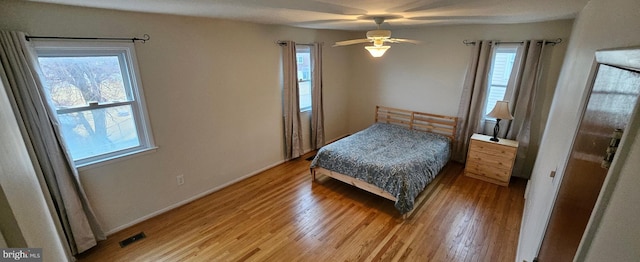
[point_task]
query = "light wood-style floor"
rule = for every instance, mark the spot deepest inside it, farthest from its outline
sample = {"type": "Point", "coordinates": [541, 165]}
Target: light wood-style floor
{"type": "Point", "coordinates": [281, 215]}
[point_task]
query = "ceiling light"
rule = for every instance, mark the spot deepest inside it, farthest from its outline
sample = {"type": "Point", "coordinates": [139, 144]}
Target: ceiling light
{"type": "Point", "coordinates": [377, 51]}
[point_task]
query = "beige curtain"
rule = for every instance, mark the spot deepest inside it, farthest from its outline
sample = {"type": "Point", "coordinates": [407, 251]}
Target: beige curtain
{"type": "Point", "coordinates": [317, 112]}
{"type": "Point", "coordinates": [291, 103]}
{"type": "Point", "coordinates": [473, 99]}
{"type": "Point", "coordinates": [523, 106]}
{"type": "Point", "coordinates": [39, 125]}
{"type": "Point", "coordinates": [521, 93]}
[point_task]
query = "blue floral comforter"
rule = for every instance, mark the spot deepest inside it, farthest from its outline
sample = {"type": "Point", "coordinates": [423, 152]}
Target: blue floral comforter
{"type": "Point", "coordinates": [398, 160]}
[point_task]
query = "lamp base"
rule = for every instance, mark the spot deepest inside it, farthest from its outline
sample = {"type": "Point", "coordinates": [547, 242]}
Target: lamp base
{"type": "Point", "coordinates": [496, 130]}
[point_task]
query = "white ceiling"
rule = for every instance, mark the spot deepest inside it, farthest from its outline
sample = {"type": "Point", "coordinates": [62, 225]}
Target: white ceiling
{"type": "Point", "coordinates": [352, 14]}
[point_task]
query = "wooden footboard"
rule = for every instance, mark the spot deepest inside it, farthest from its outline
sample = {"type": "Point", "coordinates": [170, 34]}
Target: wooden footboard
{"type": "Point", "coordinates": [353, 181]}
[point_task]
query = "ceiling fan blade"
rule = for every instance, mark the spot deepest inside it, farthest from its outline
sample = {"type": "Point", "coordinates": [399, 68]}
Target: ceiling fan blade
{"type": "Point", "coordinates": [401, 40]}
{"type": "Point", "coordinates": [418, 6]}
{"type": "Point", "coordinates": [311, 6]}
{"type": "Point", "coordinates": [351, 42]}
{"type": "Point", "coordinates": [322, 22]}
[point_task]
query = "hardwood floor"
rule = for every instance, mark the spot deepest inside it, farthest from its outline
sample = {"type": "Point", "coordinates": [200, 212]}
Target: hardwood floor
{"type": "Point", "coordinates": [281, 215]}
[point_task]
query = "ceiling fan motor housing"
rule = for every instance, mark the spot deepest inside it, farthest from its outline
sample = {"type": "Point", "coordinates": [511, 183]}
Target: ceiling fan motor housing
{"type": "Point", "coordinates": [373, 34]}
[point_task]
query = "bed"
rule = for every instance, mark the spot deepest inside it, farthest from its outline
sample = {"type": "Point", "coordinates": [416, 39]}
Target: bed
{"type": "Point", "coordinates": [395, 158]}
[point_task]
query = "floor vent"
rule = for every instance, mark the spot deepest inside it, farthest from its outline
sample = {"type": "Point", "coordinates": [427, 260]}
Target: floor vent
{"type": "Point", "coordinates": [132, 239]}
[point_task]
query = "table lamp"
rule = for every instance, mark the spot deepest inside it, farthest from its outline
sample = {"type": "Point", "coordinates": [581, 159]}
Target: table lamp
{"type": "Point", "coordinates": [499, 112]}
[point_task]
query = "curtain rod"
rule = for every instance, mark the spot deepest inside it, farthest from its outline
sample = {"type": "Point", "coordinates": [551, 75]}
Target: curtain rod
{"type": "Point", "coordinates": [551, 42]}
{"type": "Point", "coordinates": [145, 38]}
{"type": "Point", "coordinates": [283, 43]}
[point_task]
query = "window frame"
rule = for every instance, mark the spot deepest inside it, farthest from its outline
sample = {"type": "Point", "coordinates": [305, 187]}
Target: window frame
{"type": "Point", "coordinates": [132, 81]}
{"type": "Point", "coordinates": [310, 48]}
{"type": "Point", "coordinates": [509, 86]}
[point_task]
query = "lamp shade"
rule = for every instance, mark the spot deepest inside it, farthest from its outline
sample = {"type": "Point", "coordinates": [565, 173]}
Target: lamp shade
{"type": "Point", "coordinates": [501, 111]}
{"type": "Point", "coordinates": [377, 51]}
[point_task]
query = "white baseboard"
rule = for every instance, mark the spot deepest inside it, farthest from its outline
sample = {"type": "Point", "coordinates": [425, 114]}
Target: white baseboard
{"type": "Point", "coordinates": [189, 200]}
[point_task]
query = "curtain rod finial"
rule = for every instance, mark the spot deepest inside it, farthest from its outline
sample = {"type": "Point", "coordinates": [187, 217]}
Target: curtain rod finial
{"type": "Point", "coordinates": [467, 42]}
{"type": "Point", "coordinates": [559, 40]}
{"type": "Point", "coordinates": [145, 38]}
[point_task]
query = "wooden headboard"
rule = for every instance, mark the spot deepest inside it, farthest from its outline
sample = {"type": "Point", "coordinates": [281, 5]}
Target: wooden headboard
{"type": "Point", "coordinates": [439, 124]}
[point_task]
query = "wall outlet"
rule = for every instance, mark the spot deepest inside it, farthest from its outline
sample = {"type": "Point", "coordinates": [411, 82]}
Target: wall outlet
{"type": "Point", "coordinates": [180, 179]}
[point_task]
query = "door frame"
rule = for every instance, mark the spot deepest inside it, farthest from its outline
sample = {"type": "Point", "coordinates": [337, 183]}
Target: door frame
{"type": "Point", "coordinates": [626, 58]}
{"type": "Point", "coordinates": [629, 58]}
{"type": "Point", "coordinates": [561, 168]}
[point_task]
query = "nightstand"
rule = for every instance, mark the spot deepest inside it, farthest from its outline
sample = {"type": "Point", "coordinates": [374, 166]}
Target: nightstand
{"type": "Point", "coordinates": [491, 161]}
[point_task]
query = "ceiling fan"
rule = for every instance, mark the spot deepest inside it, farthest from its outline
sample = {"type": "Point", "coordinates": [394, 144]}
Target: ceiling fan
{"type": "Point", "coordinates": [378, 37]}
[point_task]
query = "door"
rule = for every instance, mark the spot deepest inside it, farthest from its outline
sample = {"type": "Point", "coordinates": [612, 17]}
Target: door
{"type": "Point", "coordinates": [610, 105]}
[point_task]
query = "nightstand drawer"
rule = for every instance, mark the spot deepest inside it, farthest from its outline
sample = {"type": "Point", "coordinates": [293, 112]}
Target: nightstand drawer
{"type": "Point", "coordinates": [484, 170]}
{"type": "Point", "coordinates": [490, 161]}
{"type": "Point", "coordinates": [493, 149]}
{"type": "Point", "coordinates": [497, 161]}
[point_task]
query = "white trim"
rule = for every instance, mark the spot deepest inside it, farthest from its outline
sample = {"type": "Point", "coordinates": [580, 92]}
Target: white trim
{"type": "Point", "coordinates": [624, 57]}
{"type": "Point", "coordinates": [198, 196]}
{"type": "Point", "coordinates": [609, 185]}
{"type": "Point", "coordinates": [628, 58]}
{"type": "Point", "coordinates": [118, 158]}
{"type": "Point", "coordinates": [92, 107]}
{"type": "Point", "coordinates": [560, 169]}
{"type": "Point", "coordinates": [127, 59]}
{"type": "Point", "coordinates": [191, 199]}
{"type": "Point", "coordinates": [305, 109]}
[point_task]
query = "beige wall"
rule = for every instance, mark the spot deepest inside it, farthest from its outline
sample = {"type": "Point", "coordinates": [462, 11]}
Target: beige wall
{"type": "Point", "coordinates": [602, 24]}
{"type": "Point", "coordinates": [429, 77]}
{"type": "Point", "coordinates": [23, 193]}
{"type": "Point", "coordinates": [212, 90]}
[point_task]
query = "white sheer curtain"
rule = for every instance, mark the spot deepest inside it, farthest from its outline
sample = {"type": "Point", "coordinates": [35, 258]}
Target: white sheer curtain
{"type": "Point", "coordinates": [317, 112]}
{"type": "Point", "coordinates": [471, 108]}
{"type": "Point", "coordinates": [51, 161]}
{"type": "Point", "coordinates": [291, 103]}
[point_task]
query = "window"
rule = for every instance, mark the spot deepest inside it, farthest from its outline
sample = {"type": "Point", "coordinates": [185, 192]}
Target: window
{"type": "Point", "coordinates": [303, 57]}
{"type": "Point", "coordinates": [502, 62]}
{"type": "Point", "coordinates": [95, 90]}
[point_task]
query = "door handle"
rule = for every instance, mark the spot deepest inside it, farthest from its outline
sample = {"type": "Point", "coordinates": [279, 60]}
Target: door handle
{"type": "Point", "coordinates": [613, 147]}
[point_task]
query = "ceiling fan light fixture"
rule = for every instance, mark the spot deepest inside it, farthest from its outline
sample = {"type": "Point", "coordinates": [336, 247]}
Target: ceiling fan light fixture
{"type": "Point", "coordinates": [377, 51]}
{"type": "Point", "coordinates": [377, 37]}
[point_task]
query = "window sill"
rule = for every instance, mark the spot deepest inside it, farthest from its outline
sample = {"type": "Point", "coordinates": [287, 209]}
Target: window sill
{"type": "Point", "coordinates": [111, 160]}
{"type": "Point", "coordinates": [490, 120]}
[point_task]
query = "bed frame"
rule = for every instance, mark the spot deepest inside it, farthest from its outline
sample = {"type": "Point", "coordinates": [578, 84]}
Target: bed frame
{"type": "Point", "coordinates": [439, 124]}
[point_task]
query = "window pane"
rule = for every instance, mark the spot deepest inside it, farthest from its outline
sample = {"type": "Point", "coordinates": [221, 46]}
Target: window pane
{"type": "Point", "coordinates": [98, 101]}
{"type": "Point", "coordinates": [99, 131]}
{"type": "Point", "coordinates": [305, 94]}
{"type": "Point", "coordinates": [76, 81]}
{"type": "Point", "coordinates": [501, 67]}
{"type": "Point", "coordinates": [303, 55]}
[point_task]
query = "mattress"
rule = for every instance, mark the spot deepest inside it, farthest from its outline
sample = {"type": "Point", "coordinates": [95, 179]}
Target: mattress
{"type": "Point", "coordinates": [396, 159]}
